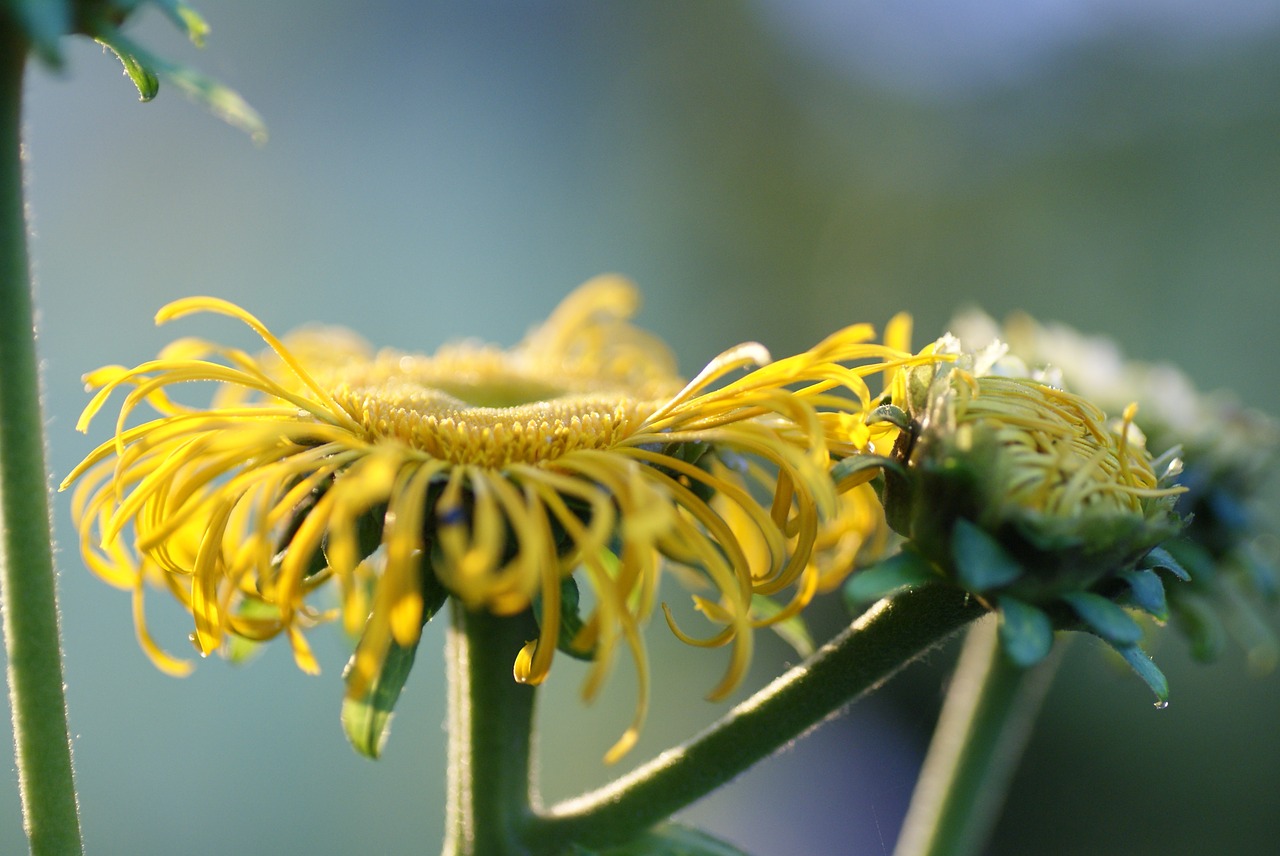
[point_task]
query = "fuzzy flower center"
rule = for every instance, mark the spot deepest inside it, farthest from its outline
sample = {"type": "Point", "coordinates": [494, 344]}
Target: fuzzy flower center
{"type": "Point", "coordinates": [488, 424]}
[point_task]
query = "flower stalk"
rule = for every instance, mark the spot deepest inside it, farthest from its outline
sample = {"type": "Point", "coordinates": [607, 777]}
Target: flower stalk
{"type": "Point", "coordinates": [985, 724]}
{"type": "Point", "coordinates": [490, 733]}
{"type": "Point", "coordinates": [869, 652]}
{"type": "Point", "coordinates": [27, 590]}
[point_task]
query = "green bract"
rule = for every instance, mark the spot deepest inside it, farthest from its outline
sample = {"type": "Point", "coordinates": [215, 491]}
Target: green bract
{"type": "Point", "coordinates": [47, 22]}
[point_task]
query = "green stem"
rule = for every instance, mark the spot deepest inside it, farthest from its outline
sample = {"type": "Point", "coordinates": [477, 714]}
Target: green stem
{"type": "Point", "coordinates": [985, 724]}
{"type": "Point", "coordinates": [861, 658]}
{"type": "Point", "coordinates": [43, 750]}
{"type": "Point", "coordinates": [490, 734]}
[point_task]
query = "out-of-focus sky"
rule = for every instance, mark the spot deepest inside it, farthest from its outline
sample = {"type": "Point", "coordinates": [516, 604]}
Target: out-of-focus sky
{"type": "Point", "coordinates": [768, 170]}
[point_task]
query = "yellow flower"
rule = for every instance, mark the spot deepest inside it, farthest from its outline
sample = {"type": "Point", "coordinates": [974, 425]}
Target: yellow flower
{"type": "Point", "coordinates": [497, 477]}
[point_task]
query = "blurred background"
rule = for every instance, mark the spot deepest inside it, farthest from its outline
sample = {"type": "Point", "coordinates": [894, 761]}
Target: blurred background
{"type": "Point", "coordinates": [764, 170]}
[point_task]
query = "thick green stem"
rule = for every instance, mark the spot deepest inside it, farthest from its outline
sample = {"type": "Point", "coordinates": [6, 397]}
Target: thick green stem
{"type": "Point", "coordinates": [985, 723]}
{"type": "Point", "coordinates": [860, 659]}
{"type": "Point", "coordinates": [490, 734]}
{"type": "Point", "coordinates": [27, 583]}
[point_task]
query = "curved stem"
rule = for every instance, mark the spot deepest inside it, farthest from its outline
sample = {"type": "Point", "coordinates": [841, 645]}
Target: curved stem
{"type": "Point", "coordinates": [490, 734]}
{"type": "Point", "coordinates": [879, 643]}
{"type": "Point", "coordinates": [985, 723]}
{"type": "Point", "coordinates": [27, 585]}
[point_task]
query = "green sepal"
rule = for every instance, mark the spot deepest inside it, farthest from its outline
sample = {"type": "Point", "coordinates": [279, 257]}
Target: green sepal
{"type": "Point", "coordinates": [981, 563]}
{"type": "Point", "coordinates": [1146, 590]}
{"type": "Point", "coordinates": [1025, 633]}
{"type": "Point", "coordinates": [367, 720]}
{"type": "Point", "coordinates": [186, 19]}
{"type": "Point", "coordinates": [890, 413]}
{"type": "Point", "coordinates": [791, 630]}
{"type": "Point", "coordinates": [1147, 670]}
{"type": "Point", "coordinates": [905, 569]}
{"type": "Point", "coordinates": [669, 839]}
{"type": "Point", "coordinates": [222, 101]}
{"type": "Point", "coordinates": [1201, 624]}
{"type": "Point", "coordinates": [855, 464]}
{"type": "Point", "coordinates": [146, 81]}
{"type": "Point", "coordinates": [1104, 617]}
{"type": "Point", "coordinates": [1161, 559]}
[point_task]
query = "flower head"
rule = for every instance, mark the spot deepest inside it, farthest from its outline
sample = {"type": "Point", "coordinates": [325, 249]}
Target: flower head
{"type": "Point", "coordinates": [1229, 452]}
{"type": "Point", "coordinates": [1026, 495]}
{"type": "Point", "coordinates": [502, 478]}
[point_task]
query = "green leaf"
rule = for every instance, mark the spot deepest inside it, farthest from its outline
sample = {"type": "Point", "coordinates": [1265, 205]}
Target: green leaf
{"type": "Point", "coordinates": [1147, 590]}
{"type": "Point", "coordinates": [890, 413]}
{"type": "Point", "coordinates": [143, 78]}
{"type": "Point", "coordinates": [669, 839]}
{"type": "Point", "coordinates": [1026, 634]}
{"type": "Point", "coordinates": [1162, 560]}
{"type": "Point", "coordinates": [901, 570]}
{"type": "Point", "coordinates": [1147, 670]}
{"type": "Point", "coordinates": [792, 630]}
{"type": "Point", "coordinates": [186, 19]}
{"type": "Point", "coordinates": [855, 464]}
{"type": "Point", "coordinates": [981, 562]}
{"type": "Point", "coordinates": [1107, 619]}
{"type": "Point", "coordinates": [367, 719]}
{"type": "Point", "coordinates": [222, 101]}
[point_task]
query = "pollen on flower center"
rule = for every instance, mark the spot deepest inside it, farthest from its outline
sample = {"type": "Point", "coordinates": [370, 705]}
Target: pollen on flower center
{"type": "Point", "coordinates": [449, 428]}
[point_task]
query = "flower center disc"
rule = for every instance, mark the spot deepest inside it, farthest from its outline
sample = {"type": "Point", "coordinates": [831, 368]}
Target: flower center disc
{"type": "Point", "coordinates": [488, 424]}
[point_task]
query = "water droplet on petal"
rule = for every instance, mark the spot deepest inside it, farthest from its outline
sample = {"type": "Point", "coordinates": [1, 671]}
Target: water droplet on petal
{"type": "Point", "coordinates": [1161, 705]}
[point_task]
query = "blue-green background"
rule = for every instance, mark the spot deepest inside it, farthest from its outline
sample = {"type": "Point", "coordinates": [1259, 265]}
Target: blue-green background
{"type": "Point", "coordinates": [764, 170]}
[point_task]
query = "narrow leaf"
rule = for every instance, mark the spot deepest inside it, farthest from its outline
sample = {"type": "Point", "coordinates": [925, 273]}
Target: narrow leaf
{"type": "Point", "coordinates": [367, 719]}
{"type": "Point", "coordinates": [890, 413]}
{"type": "Point", "coordinates": [1147, 670]}
{"type": "Point", "coordinates": [863, 467]}
{"type": "Point", "coordinates": [222, 101]}
{"type": "Point", "coordinates": [899, 571]}
{"type": "Point", "coordinates": [1026, 634]}
{"type": "Point", "coordinates": [1162, 560]}
{"type": "Point", "coordinates": [144, 79]}
{"type": "Point", "coordinates": [1147, 590]}
{"type": "Point", "coordinates": [1107, 619]}
{"type": "Point", "coordinates": [792, 630]}
{"type": "Point", "coordinates": [186, 19]}
{"type": "Point", "coordinates": [981, 562]}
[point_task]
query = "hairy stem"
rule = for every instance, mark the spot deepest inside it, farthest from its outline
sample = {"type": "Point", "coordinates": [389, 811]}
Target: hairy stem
{"type": "Point", "coordinates": [985, 724]}
{"type": "Point", "coordinates": [877, 645]}
{"type": "Point", "coordinates": [490, 734]}
{"type": "Point", "coordinates": [27, 593]}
